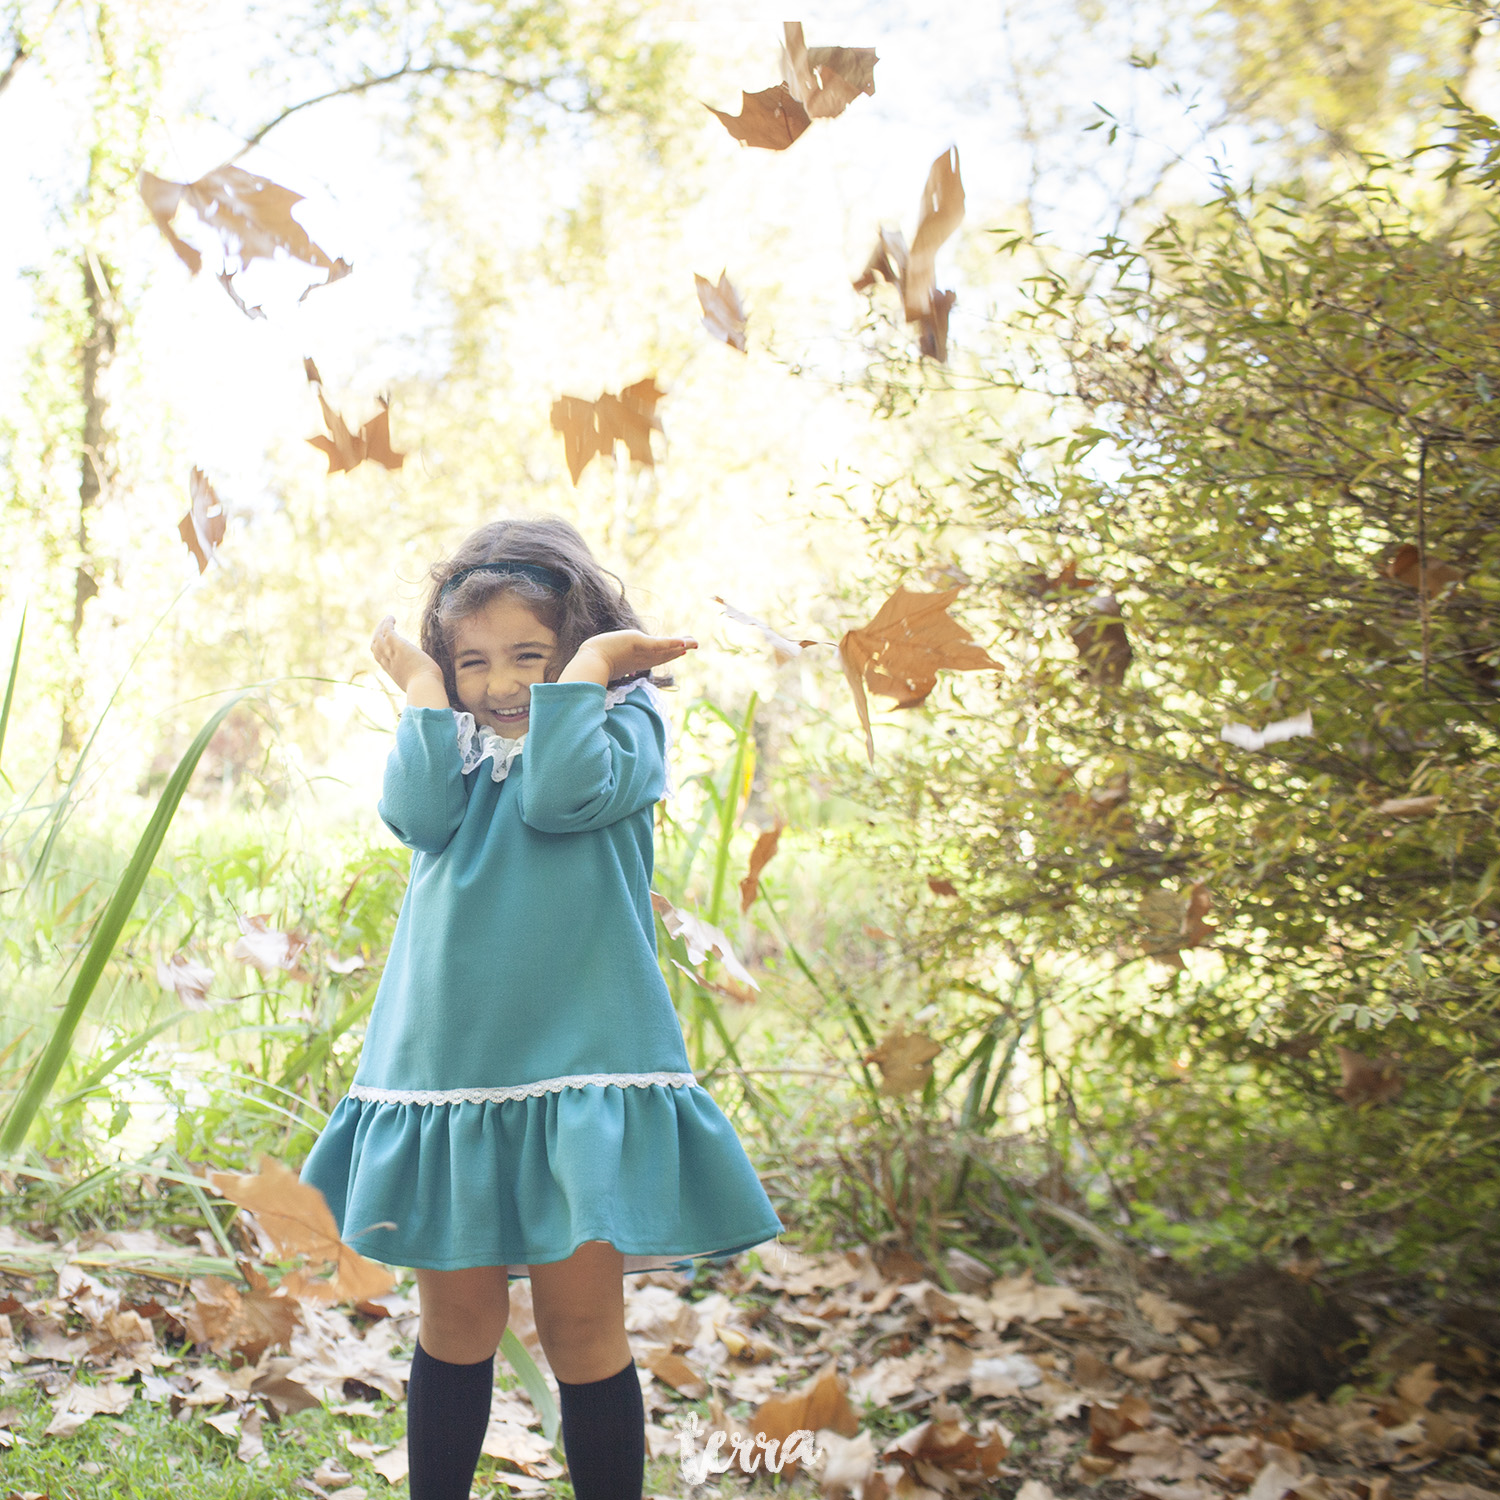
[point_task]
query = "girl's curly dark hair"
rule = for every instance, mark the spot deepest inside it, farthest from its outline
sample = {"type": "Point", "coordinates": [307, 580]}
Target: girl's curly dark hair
{"type": "Point", "coordinates": [593, 602]}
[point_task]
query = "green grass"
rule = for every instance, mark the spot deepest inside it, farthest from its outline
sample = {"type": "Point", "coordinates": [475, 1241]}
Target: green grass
{"type": "Point", "coordinates": [145, 1454]}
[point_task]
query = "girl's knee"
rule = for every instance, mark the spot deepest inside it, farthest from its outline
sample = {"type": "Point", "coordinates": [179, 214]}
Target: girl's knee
{"type": "Point", "coordinates": [463, 1313]}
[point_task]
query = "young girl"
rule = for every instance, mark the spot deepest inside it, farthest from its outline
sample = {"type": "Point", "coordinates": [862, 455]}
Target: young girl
{"type": "Point", "coordinates": [523, 1104]}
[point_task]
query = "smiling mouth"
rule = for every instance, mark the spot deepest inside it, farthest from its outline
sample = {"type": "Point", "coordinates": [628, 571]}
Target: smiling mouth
{"type": "Point", "coordinates": [511, 714]}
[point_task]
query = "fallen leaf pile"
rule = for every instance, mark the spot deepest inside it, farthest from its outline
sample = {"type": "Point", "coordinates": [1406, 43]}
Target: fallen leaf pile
{"type": "Point", "coordinates": [1139, 1391]}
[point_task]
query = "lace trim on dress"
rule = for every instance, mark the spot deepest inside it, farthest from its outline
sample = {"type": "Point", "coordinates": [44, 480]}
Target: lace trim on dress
{"type": "Point", "coordinates": [524, 1090]}
{"type": "Point", "coordinates": [478, 741]}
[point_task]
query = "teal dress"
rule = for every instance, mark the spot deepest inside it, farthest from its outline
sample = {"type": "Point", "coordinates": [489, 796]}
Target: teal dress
{"type": "Point", "coordinates": [523, 1086]}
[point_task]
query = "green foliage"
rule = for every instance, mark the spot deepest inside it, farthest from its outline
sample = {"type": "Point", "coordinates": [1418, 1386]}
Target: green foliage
{"type": "Point", "coordinates": [1272, 400]}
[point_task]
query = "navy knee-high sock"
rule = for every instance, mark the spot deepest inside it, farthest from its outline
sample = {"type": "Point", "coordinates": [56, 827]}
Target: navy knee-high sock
{"type": "Point", "coordinates": [447, 1412]}
{"type": "Point", "coordinates": [604, 1436]}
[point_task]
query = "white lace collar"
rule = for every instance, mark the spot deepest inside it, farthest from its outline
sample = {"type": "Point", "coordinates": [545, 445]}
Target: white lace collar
{"type": "Point", "coordinates": [478, 741]}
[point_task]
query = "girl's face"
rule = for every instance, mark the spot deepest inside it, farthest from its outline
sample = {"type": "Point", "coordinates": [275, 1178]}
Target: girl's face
{"type": "Point", "coordinates": [498, 652]}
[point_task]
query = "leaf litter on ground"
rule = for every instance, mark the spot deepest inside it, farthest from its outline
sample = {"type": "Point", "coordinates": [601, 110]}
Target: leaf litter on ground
{"type": "Point", "coordinates": [911, 1388]}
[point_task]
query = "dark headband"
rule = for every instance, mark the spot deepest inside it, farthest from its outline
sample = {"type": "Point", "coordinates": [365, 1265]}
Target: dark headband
{"type": "Point", "coordinates": [549, 578]}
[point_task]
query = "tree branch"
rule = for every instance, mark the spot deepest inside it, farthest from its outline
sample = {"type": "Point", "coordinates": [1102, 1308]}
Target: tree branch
{"type": "Point", "coordinates": [17, 58]}
{"type": "Point", "coordinates": [407, 70]}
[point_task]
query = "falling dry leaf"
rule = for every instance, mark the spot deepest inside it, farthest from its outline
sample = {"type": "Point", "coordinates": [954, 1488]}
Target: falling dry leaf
{"type": "Point", "coordinates": [297, 1219]}
{"type": "Point", "coordinates": [900, 652]}
{"type": "Point", "coordinates": [251, 215]}
{"type": "Point", "coordinates": [591, 428]}
{"type": "Point", "coordinates": [1175, 920]}
{"type": "Point", "coordinates": [1366, 1081]}
{"type": "Point", "coordinates": [266, 949]}
{"type": "Point", "coordinates": [1247, 738]}
{"type": "Point", "coordinates": [1410, 807]}
{"type": "Point", "coordinates": [1406, 567]}
{"type": "Point", "coordinates": [203, 527]}
{"type": "Point", "coordinates": [826, 80]}
{"type": "Point", "coordinates": [782, 649]}
{"type": "Point", "coordinates": [904, 1059]}
{"type": "Point", "coordinates": [1066, 581]}
{"type": "Point", "coordinates": [723, 312]}
{"type": "Point", "coordinates": [1104, 649]}
{"type": "Point", "coordinates": [941, 887]}
{"type": "Point", "coordinates": [913, 271]}
{"type": "Point", "coordinates": [346, 450]}
{"type": "Point", "coordinates": [188, 978]}
{"type": "Point", "coordinates": [701, 938]}
{"type": "Point", "coordinates": [771, 119]}
{"type": "Point", "coordinates": [760, 857]}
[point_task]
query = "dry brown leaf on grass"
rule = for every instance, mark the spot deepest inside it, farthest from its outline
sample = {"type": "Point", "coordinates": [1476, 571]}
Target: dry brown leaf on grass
{"type": "Point", "coordinates": [723, 312]}
{"type": "Point", "coordinates": [700, 937]}
{"type": "Point", "coordinates": [1366, 1080]}
{"type": "Point", "coordinates": [78, 1403]}
{"type": "Point", "coordinates": [230, 1321]}
{"type": "Point", "coordinates": [904, 1059]}
{"type": "Point", "coordinates": [900, 652]}
{"type": "Point", "coordinates": [673, 1370]}
{"type": "Point", "coordinates": [203, 527]}
{"type": "Point", "coordinates": [297, 1219]}
{"type": "Point", "coordinates": [760, 857]}
{"type": "Point", "coordinates": [913, 271]}
{"type": "Point", "coordinates": [782, 649]}
{"type": "Point", "coordinates": [771, 119]}
{"type": "Point", "coordinates": [945, 1454]}
{"type": "Point", "coordinates": [826, 80]}
{"type": "Point", "coordinates": [266, 948]}
{"type": "Point", "coordinates": [591, 429]}
{"type": "Point", "coordinates": [823, 1402]}
{"type": "Point", "coordinates": [252, 217]}
{"type": "Point", "coordinates": [346, 450]}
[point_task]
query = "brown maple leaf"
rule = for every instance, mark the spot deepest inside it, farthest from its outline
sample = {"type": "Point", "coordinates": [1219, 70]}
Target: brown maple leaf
{"type": "Point", "coordinates": [913, 271]}
{"type": "Point", "coordinates": [723, 312]}
{"type": "Point", "coordinates": [188, 979]}
{"type": "Point", "coordinates": [203, 527]}
{"type": "Point", "coordinates": [944, 1448]}
{"type": "Point", "coordinates": [904, 1059]}
{"type": "Point", "coordinates": [826, 80]}
{"type": "Point", "coordinates": [230, 1321]}
{"type": "Point", "coordinates": [822, 1403]}
{"type": "Point", "coordinates": [265, 948]}
{"type": "Point", "coordinates": [760, 857]}
{"type": "Point", "coordinates": [1175, 920]}
{"type": "Point", "coordinates": [252, 217]}
{"type": "Point", "coordinates": [900, 652]}
{"type": "Point", "coordinates": [591, 428]}
{"type": "Point", "coordinates": [1367, 1080]}
{"type": "Point", "coordinates": [298, 1221]}
{"type": "Point", "coordinates": [1104, 649]}
{"type": "Point", "coordinates": [1040, 586]}
{"type": "Point", "coordinates": [347, 450]}
{"type": "Point", "coordinates": [771, 119]}
{"type": "Point", "coordinates": [1406, 566]}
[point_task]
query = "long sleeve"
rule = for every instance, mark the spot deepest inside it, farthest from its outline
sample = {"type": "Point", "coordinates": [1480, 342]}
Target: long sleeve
{"type": "Point", "coordinates": [586, 767]}
{"type": "Point", "coordinates": [423, 798]}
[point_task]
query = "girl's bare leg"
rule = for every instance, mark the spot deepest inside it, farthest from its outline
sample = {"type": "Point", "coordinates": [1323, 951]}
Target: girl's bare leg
{"type": "Point", "coordinates": [580, 1313]}
{"type": "Point", "coordinates": [464, 1313]}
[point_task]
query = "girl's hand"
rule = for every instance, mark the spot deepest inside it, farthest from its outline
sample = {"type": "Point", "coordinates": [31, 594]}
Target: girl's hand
{"type": "Point", "coordinates": [402, 659]}
{"type": "Point", "coordinates": [621, 653]}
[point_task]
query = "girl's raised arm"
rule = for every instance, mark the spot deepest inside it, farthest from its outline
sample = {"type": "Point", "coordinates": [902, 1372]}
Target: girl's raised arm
{"type": "Point", "coordinates": [423, 797]}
